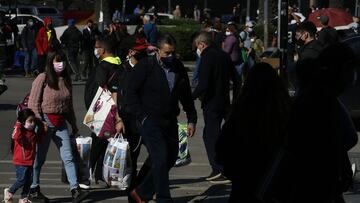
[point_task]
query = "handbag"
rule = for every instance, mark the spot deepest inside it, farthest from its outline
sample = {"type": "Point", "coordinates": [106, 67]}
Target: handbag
{"type": "Point", "coordinates": [184, 157]}
{"type": "Point", "coordinates": [101, 116]}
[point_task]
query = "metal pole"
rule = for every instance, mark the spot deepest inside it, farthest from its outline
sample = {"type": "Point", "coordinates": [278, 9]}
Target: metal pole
{"type": "Point", "coordinates": [283, 35]}
{"type": "Point", "coordinates": [205, 4]}
{"type": "Point", "coordinates": [169, 6]}
{"type": "Point", "coordinates": [123, 10]}
{"type": "Point", "coordinates": [266, 21]}
{"type": "Point", "coordinates": [248, 11]}
{"type": "Point", "coordinates": [357, 8]}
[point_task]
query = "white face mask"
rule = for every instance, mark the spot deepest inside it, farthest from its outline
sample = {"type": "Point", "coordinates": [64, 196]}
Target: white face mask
{"type": "Point", "coordinates": [29, 126]}
{"type": "Point", "coordinates": [249, 29]}
{"type": "Point", "coordinates": [252, 40]}
{"type": "Point", "coordinates": [227, 33]}
{"type": "Point", "coordinates": [96, 53]}
{"type": "Point", "coordinates": [59, 67]}
{"type": "Point", "coordinates": [198, 52]}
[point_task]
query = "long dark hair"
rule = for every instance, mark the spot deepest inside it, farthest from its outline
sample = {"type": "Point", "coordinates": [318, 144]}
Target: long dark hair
{"type": "Point", "coordinates": [51, 76]}
{"type": "Point", "coordinates": [263, 107]}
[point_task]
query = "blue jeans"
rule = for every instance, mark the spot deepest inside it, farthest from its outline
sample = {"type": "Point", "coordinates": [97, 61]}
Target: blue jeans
{"type": "Point", "coordinates": [23, 179]}
{"type": "Point", "coordinates": [195, 76]}
{"type": "Point", "coordinates": [33, 54]}
{"type": "Point", "coordinates": [62, 140]}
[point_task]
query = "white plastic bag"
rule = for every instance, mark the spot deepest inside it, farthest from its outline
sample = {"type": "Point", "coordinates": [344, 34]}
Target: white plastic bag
{"type": "Point", "coordinates": [117, 166]}
{"type": "Point", "coordinates": [101, 115]}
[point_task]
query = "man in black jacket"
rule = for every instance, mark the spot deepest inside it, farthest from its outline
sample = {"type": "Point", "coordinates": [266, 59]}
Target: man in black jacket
{"type": "Point", "coordinates": [71, 39]}
{"type": "Point", "coordinates": [327, 35]}
{"type": "Point", "coordinates": [158, 84]}
{"type": "Point", "coordinates": [213, 91]}
{"type": "Point", "coordinates": [28, 37]}
{"type": "Point", "coordinates": [88, 44]}
{"type": "Point", "coordinates": [305, 35]}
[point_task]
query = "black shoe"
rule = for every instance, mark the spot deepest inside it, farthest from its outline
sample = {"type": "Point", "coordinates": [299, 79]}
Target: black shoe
{"type": "Point", "coordinates": [77, 195]}
{"type": "Point", "coordinates": [36, 196]}
{"type": "Point", "coordinates": [213, 176]}
{"type": "Point", "coordinates": [220, 180]}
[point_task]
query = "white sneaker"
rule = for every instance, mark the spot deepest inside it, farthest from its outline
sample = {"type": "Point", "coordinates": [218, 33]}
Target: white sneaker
{"type": "Point", "coordinates": [8, 197]}
{"type": "Point", "coordinates": [353, 168]}
{"type": "Point", "coordinates": [84, 186]}
{"type": "Point", "coordinates": [24, 200]}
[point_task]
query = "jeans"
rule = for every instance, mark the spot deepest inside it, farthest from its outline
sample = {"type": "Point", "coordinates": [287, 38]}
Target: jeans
{"type": "Point", "coordinates": [195, 76]}
{"type": "Point", "coordinates": [88, 62]}
{"type": "Point", "coordinates": [23, 179]}
{"type": "Point", "coordinates": [62, 140]}
{"type": "Point", "coordinates": [33, 54]}
{"type": "Point", "coordinates": [41, 63]}
{"type": "Point", "coordinates": [162, 143]}
{"type": "Point", "coordinates": [97, 154]}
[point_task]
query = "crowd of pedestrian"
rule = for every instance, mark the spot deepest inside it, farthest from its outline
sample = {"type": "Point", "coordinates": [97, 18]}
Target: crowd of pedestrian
{"type": "Point", "coordinates": [148, 83]}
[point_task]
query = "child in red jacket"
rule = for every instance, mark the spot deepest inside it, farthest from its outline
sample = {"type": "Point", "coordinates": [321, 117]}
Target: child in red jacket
{"type": "Point", "coordinates": [25, 137]}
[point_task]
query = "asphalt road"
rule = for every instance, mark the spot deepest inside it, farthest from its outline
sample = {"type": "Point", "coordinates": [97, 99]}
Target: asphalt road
{"type": "Point", "coordinates": [187, 183]}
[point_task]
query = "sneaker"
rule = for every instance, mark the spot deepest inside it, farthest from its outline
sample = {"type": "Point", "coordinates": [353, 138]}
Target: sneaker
{"type": "Point", "coordinates": [220, 180]}
{"type": "Point", "coordinates": [77, 195]}
{"type": "Point", "coordinates": [24, 200]}
{"type": "Point", "coordinates": [36, 196]}
{"type": "Point", "coordinates": [353, 168]}
{"type": "Point", "coordinates": [85, 185]}
{"type": "Point", "coordinates": [8, 197]}
{"type": "Point", "coordinates": [213, 176]}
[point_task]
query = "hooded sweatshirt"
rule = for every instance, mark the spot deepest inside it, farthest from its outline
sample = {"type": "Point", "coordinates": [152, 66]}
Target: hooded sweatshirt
{"type": "Point", "coordinates": [45, 38]}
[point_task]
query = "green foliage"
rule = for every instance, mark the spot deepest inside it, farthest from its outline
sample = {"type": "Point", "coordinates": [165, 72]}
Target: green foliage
{"type": "Point", "coordinates": [184, 32]}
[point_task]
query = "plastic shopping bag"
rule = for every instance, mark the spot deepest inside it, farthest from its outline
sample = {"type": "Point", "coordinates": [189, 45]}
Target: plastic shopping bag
{"type": "Point", "coordinates": [184, 157]}
{"type": "Point", "coordinates": [117, 163]}
{"type": "Point", "coordinates": [101, 116]}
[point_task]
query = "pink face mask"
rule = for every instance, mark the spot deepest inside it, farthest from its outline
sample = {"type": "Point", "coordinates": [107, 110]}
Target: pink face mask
{"type": "Point", "coordinates": [59, 67]}
{"type": "Point", "coordinates": [29, 126]}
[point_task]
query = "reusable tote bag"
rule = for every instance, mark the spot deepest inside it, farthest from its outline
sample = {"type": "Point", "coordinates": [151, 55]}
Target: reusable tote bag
{"type": "Point", "coordinates": [101, 116]}
{"type": "Point", "coordinates": [184, 157]}
{"type": "Point", "coordinates": [117, 163]}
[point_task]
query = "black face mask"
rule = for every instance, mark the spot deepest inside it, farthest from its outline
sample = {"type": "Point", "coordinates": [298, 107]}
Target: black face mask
{"type": "Point", "coordinates": [299, 42]}
{"type": "Point", "coordinates": [168, 61]}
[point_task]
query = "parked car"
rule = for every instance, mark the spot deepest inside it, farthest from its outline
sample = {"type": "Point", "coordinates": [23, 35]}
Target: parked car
{"type": "Point", "coordinates": [21, 20]}
{"type": "Point", "coordinates": [41, 12]}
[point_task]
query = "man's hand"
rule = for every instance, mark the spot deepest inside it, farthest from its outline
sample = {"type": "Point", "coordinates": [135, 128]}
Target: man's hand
{"type": "Point", "coordinates": [191, 129]}
{"type": "Point", "coordinates": [120, 127]}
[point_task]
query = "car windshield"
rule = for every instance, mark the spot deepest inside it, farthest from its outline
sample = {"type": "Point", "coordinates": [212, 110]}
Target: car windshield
{"type": "Point", "coordinates": [25, 11]}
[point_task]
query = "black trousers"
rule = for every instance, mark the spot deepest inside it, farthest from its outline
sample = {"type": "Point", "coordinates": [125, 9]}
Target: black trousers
{"type": "Point", "coordinates": [72, 55]}
{"type": "Point", "coordinates": [162, 143]}
{"type": "Point", "coordinates": [88, 62]}
{"type": "Point", "coordinates": [41, 63]}
{"type": "Point", "coordinates": [97, 154]}
{"type": "Point", "coordinates": [211, 134]}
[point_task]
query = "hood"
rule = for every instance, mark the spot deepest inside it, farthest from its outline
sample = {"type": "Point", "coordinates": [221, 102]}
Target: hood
{"type": "Point", "coordinates": [47, 20]}
{"type": "Point", "coordinates": [113, 60]}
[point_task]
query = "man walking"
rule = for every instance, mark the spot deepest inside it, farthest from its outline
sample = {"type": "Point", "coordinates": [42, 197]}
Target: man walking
{"type": "Point", "coordinates": [71, 39]}
{"type": "Point", "coordinates": [28, 37]}
{"type": "Point", "coordinates": [88, 44]}
{"type": "Point", "coordinates": [213, 91]}
{"type": "Point", "coordinates": [159, 83]}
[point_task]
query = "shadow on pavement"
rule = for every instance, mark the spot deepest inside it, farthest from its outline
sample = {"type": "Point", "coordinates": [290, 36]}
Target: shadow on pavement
{"type": "Point", "coordinates": [186, 181]}
{"type": "Point", "coordinates": [101, 195]}
{"type": "Point", "coordinates": [214, 194]}
{"type": "Point", "coordinates": [6, 107]}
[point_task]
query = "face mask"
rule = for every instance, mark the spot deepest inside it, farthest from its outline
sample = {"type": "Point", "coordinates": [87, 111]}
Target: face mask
{"type": "Point", "coordinates": [29, 126]}
{"type": "Point", "coordinates": [50, 26]}
{"type": "Point", "coordinates": [299, 42]}
{"type": "Point", "coordinates": [249, 29]}
{"type": "Point", "coordinates": [198, 52]}
{"type": "Point", "coordinates": [252, 40]}
{"type": "Point", "coordinates": [227, 33]}
{"type": "Point", "coordinates": [96, 53]}
{"type": "Point", "coordinates": [168, 60]}
{"type": "Point", "coordinates": [59, 67]}
{"type": "Point", "coordinates": [30, 23]}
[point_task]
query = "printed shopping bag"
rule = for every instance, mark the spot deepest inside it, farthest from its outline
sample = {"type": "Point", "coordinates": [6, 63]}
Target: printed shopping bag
{"type": "Point", "coordinates": [184, 157]}
{"type": "Point", "coordinates": [117, 163]}
{"type": "Point", "coordinates": [101, 115]}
